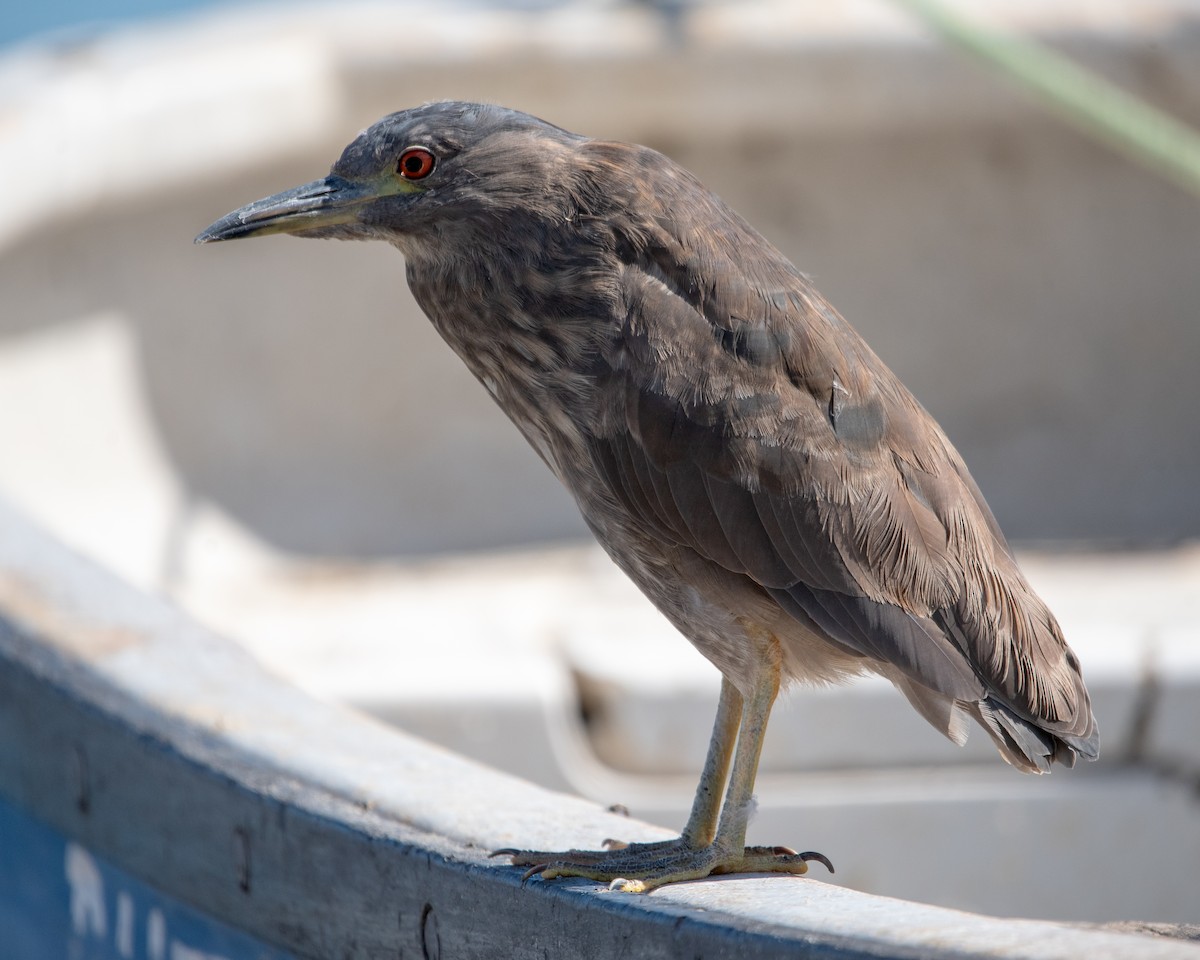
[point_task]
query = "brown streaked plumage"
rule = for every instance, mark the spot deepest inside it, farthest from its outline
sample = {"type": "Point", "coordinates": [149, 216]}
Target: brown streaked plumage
{"type": "Point", "coordinates": [734, 445]}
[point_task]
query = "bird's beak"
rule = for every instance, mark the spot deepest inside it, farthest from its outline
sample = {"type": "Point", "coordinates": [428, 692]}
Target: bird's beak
{"type": "Point", "coordinates": [330, 202]}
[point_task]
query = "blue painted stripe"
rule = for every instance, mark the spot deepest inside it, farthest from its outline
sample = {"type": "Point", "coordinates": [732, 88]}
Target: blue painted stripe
{"type": "Point", "coordinates": [59, 901]}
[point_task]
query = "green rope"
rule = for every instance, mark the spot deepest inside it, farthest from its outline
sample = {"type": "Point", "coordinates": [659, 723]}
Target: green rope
{"type": "Point", "coordinates": [1085, 100]}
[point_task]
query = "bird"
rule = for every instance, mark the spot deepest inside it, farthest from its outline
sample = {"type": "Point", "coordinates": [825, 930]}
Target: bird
{"type": "Point", "coordinates": [734, 445]}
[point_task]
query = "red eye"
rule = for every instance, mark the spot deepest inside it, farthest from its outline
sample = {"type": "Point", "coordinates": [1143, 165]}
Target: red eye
{"type": "Point", "coordinates": [415, 163]}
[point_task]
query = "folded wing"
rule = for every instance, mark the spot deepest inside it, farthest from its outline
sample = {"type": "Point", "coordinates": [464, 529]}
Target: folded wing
{"type": "Point", "coordinates": [745, 420]}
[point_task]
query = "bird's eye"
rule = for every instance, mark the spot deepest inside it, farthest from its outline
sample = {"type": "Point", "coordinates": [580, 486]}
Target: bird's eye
{"type": "Point", "coordinates": [415, 163]}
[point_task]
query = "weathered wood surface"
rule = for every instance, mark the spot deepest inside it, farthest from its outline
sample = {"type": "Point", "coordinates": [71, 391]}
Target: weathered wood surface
{"type": "Point", "coordinates": [171, 753]}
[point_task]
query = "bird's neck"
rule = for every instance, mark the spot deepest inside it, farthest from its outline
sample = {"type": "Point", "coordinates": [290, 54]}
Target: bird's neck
{"type": "Point", "coordinates": [533, 338]}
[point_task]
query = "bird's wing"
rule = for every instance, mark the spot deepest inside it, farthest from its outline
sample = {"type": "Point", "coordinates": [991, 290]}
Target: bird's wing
{"type": "Point", "coordinates": [745, 420]}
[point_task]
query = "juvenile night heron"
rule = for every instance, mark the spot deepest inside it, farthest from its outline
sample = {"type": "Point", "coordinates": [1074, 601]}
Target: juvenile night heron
{"type": "Point", "coordinates": [731, 441]}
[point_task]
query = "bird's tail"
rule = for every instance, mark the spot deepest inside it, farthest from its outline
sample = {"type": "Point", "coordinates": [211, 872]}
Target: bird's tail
{"type": "Point", "coordinates": [1027, 746]}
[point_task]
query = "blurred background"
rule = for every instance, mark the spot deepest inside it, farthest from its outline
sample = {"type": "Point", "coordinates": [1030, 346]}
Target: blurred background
{"type": "Point", "coordinates": [272, 434]}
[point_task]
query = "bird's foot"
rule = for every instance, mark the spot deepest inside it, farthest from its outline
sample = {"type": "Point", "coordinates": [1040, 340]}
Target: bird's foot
{"type": "Point", "coordinates": [641, 867]}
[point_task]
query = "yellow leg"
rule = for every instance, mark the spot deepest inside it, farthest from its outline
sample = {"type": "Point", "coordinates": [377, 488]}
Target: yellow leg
{"type": "Point", "coordinates": [752, 728]}
{"type": "Point", "coordinates": [714, 839]}
{"type": "Point", "coordinates": [701, 825]}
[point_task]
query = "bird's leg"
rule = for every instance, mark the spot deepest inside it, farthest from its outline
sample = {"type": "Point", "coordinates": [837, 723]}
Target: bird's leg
{"type": "Point", "coordinates": [730, 839]}
{"type": "Point", "coordinates": [727, 852]}
{"type": "Point", "coordinates": [701, 825]}
{"type": "Point", "coordinates": [638, 868]}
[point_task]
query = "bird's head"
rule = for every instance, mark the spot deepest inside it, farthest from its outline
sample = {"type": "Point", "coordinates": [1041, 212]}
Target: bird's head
{"type": "Point", "coordinates": [416, 174]}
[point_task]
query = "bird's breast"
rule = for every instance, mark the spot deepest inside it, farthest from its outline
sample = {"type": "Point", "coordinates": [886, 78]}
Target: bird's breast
{"type": "Point", "coordinates": [535, 355]}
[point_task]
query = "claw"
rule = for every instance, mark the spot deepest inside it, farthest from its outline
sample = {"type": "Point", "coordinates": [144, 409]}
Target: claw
{"type": "Point", "coordinates": [819, 857]}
